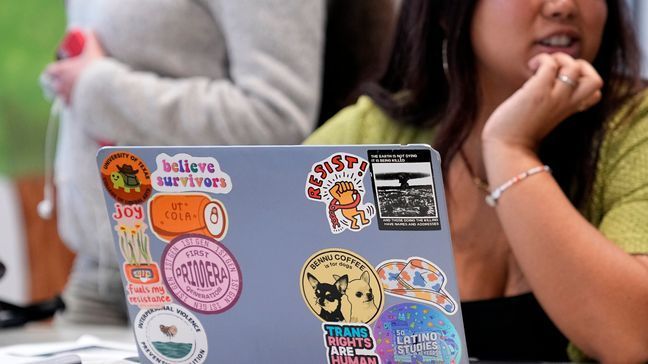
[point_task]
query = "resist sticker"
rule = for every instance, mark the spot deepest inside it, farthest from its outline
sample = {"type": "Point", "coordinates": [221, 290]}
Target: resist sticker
{"type": "Point", "coordinates": [340, 286]}
{"type": "Point", "coordinates": [171, 334]}
{"type": "Point", "coordinates": [201, 273]}
{"type": "Point", "coordinates": [416, 333]}
{"type": "Point", "coordinates": [144, 288]}
{"type": "Point", "coordinates": [126, 178]}
{"type": "Point", "coordinates": [174, 215]}
{"type": "Point", "coordinates": [349, 343]}
{"type": "Point", "coordinates": [338, 183]}
{"type": "Point", "coordinates": [404, 190]}
{"type": "Point", "coordinates": [417, 279]}
{"type": "Point", "coordinates": [184, 173]}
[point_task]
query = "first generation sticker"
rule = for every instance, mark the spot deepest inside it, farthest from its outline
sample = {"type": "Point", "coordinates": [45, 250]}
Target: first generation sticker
{"type": "Point", "coordinates": [201, 273]}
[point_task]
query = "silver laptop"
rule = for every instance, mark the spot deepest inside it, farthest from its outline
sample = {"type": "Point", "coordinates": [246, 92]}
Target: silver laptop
{"type": "Point", "coordinates": [285, 254]}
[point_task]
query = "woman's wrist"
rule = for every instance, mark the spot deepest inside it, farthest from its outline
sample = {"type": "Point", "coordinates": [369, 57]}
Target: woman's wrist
{"type": "Point", "coordinates": [503, 160]}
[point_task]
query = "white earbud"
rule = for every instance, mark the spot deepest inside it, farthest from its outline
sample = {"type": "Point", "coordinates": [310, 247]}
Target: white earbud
{"type": "Point", "coordinates": [45, 209]}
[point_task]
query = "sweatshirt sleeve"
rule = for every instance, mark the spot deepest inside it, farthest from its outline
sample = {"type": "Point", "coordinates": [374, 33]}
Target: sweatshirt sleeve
{"type": "Point", "coordinates": [271, 96]}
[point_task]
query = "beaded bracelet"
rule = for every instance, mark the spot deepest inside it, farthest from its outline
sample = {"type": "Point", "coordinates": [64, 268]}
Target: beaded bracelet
{"type": "Point", "coordinates": [495, 195]}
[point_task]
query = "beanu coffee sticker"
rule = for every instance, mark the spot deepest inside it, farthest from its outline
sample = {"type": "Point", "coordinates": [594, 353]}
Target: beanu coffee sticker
{"type": "Point", "coordinates": [340, 286]}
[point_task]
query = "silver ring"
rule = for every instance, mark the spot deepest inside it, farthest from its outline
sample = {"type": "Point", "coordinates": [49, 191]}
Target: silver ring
{"type": "Point", "coordinates": [567, 80]}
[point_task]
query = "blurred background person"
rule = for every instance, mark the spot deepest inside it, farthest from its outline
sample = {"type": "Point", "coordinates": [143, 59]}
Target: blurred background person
{"type": "Point", "coordinates": [171, 73]}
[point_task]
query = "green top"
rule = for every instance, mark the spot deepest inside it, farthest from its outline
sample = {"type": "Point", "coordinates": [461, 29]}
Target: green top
{"type": "Point", "coordinates": [618, 206]}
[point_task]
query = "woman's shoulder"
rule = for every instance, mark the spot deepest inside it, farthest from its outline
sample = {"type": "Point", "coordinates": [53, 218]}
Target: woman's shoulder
{"type": "Point", "coordinates": [629, 125]}
{"type": "Point", "coordinates": [366, 123]}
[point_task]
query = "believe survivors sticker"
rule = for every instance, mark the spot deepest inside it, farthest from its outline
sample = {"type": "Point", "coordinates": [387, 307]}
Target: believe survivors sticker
{"type": "Point", "coordinates": [404, 189]}
{"type": "Point", "coordinates": [201, 273]}
{"type": "Point", "coordinates": [349, 343]}
{"type": "Point", "coordinates": [171, 334]}
{"type": "Point", "coordinates": [183, 172]}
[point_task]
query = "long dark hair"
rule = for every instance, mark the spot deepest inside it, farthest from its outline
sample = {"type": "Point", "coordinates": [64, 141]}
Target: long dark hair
{"type": "Point", "coordinates": [415, 89]}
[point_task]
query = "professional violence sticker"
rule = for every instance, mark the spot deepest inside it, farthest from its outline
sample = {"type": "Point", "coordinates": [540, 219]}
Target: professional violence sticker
{"type": "Point", "coordinates": [126, 178]}
{"type": "Point", "coordinates": [172, 215]}
{"type": "Point", "coordinates": [340, 286]}
{"type": "Point", "coordinates": [404, 189]}
{"type": "Point", "coordinates": [349, 343]}
{"type": "Point", "coordinates": [171, 334]}
{"type": "Point", "coordinates": [185, 173]}
{"type": "Point", "coordinates": [337, 182]}
{"type": "Point", "coordinates": [416, 333]}
{"type": "Point", "coordinates": [201, 273]}
{"type": "Point", "coordinates": [144, 288]}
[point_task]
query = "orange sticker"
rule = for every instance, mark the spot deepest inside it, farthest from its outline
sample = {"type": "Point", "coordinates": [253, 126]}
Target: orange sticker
{"type": "Point", "coordinates": [126, 178]}
{"type": "Point", "coordinates": [172, 215]}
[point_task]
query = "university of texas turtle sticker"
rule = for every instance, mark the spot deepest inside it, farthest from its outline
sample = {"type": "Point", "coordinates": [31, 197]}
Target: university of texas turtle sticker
{"type": "Point", "coordinates": [126, 178]}
{"type": "Point", "coordinates": [340, 286]}
{"type": "Point", "coordinates": [171, 334]}
{"type": "Point", "coordinates": [201, 273]}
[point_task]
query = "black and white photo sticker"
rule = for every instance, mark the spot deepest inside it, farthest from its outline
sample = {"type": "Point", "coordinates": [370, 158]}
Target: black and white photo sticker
{"type": "Point", "coordinates": [404, 189]}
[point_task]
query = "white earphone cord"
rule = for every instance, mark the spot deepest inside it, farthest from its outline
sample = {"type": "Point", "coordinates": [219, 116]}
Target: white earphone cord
{"type": "Point", "coordinates": [46, 206]}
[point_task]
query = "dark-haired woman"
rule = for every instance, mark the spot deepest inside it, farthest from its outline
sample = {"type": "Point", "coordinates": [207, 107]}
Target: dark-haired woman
{"type": "Point", "coordinates": [536, 105]}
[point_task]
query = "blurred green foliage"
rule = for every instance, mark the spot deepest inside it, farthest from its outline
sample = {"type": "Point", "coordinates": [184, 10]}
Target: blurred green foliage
{"type": "Point", "coordinates": [29, 33]}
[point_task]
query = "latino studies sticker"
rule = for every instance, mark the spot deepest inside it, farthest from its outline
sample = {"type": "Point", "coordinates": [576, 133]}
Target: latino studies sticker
{"type": "Point", "coordinates": [201, 273]}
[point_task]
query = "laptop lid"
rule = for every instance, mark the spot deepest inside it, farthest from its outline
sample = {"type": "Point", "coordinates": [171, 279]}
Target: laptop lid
{"type": "Point", "coordinates": [285, 254]}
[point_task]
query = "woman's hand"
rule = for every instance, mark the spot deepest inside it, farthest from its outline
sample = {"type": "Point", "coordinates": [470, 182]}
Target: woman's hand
{"type": "Point", "coordinates": [560, 87]}
{"type": "Point", "coordinates": [65, 73]}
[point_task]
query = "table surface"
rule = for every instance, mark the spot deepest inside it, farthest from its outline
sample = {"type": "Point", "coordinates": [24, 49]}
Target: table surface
{"type": "Point", "coordinates": [49, 332]}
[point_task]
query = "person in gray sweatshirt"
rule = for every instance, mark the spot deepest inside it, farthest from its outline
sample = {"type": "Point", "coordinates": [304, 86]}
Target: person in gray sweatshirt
{"type": "Point", "coordinates": [157, 72]}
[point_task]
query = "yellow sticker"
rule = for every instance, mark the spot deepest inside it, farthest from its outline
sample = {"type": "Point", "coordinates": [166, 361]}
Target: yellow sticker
{"type": "Point", "coordinates": [339, 285]}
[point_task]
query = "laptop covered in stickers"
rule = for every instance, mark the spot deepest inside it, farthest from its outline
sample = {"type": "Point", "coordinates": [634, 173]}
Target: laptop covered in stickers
{"type": "Point", "coordinates": [285, 254]}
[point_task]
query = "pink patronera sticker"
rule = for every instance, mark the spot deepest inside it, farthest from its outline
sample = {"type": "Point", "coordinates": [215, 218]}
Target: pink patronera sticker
{"type": "Point", "coordinates": [201, 273]}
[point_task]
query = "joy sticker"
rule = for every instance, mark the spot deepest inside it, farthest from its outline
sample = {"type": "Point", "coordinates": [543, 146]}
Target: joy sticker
{"type": "Point", "coordinates": [172, 215]}
{"type": "Point", "coordinates": [340, 286]}
{"type": "Point", "coordinates": [126, 178]}
{"type": "Point", "coordinates": [143, 275]}
{"type": "Point", "coordinates": [416, 333]}
{"type": "Point", "coordinates": [201, 273]}
{"type": "Point", "coordinates": [171, 334]}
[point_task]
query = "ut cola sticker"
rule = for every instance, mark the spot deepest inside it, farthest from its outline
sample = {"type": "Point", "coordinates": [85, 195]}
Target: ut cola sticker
{"type": "Point", "coordinates": [171, 334]}
{"type": "Point", "coordinates": [337, 182]}
{"type": "Point", "coordinates": [172, 215]}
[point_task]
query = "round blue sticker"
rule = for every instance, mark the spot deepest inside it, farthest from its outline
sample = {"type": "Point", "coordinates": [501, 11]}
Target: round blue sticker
{"type": "Point", "coordinates": [416, 333]}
